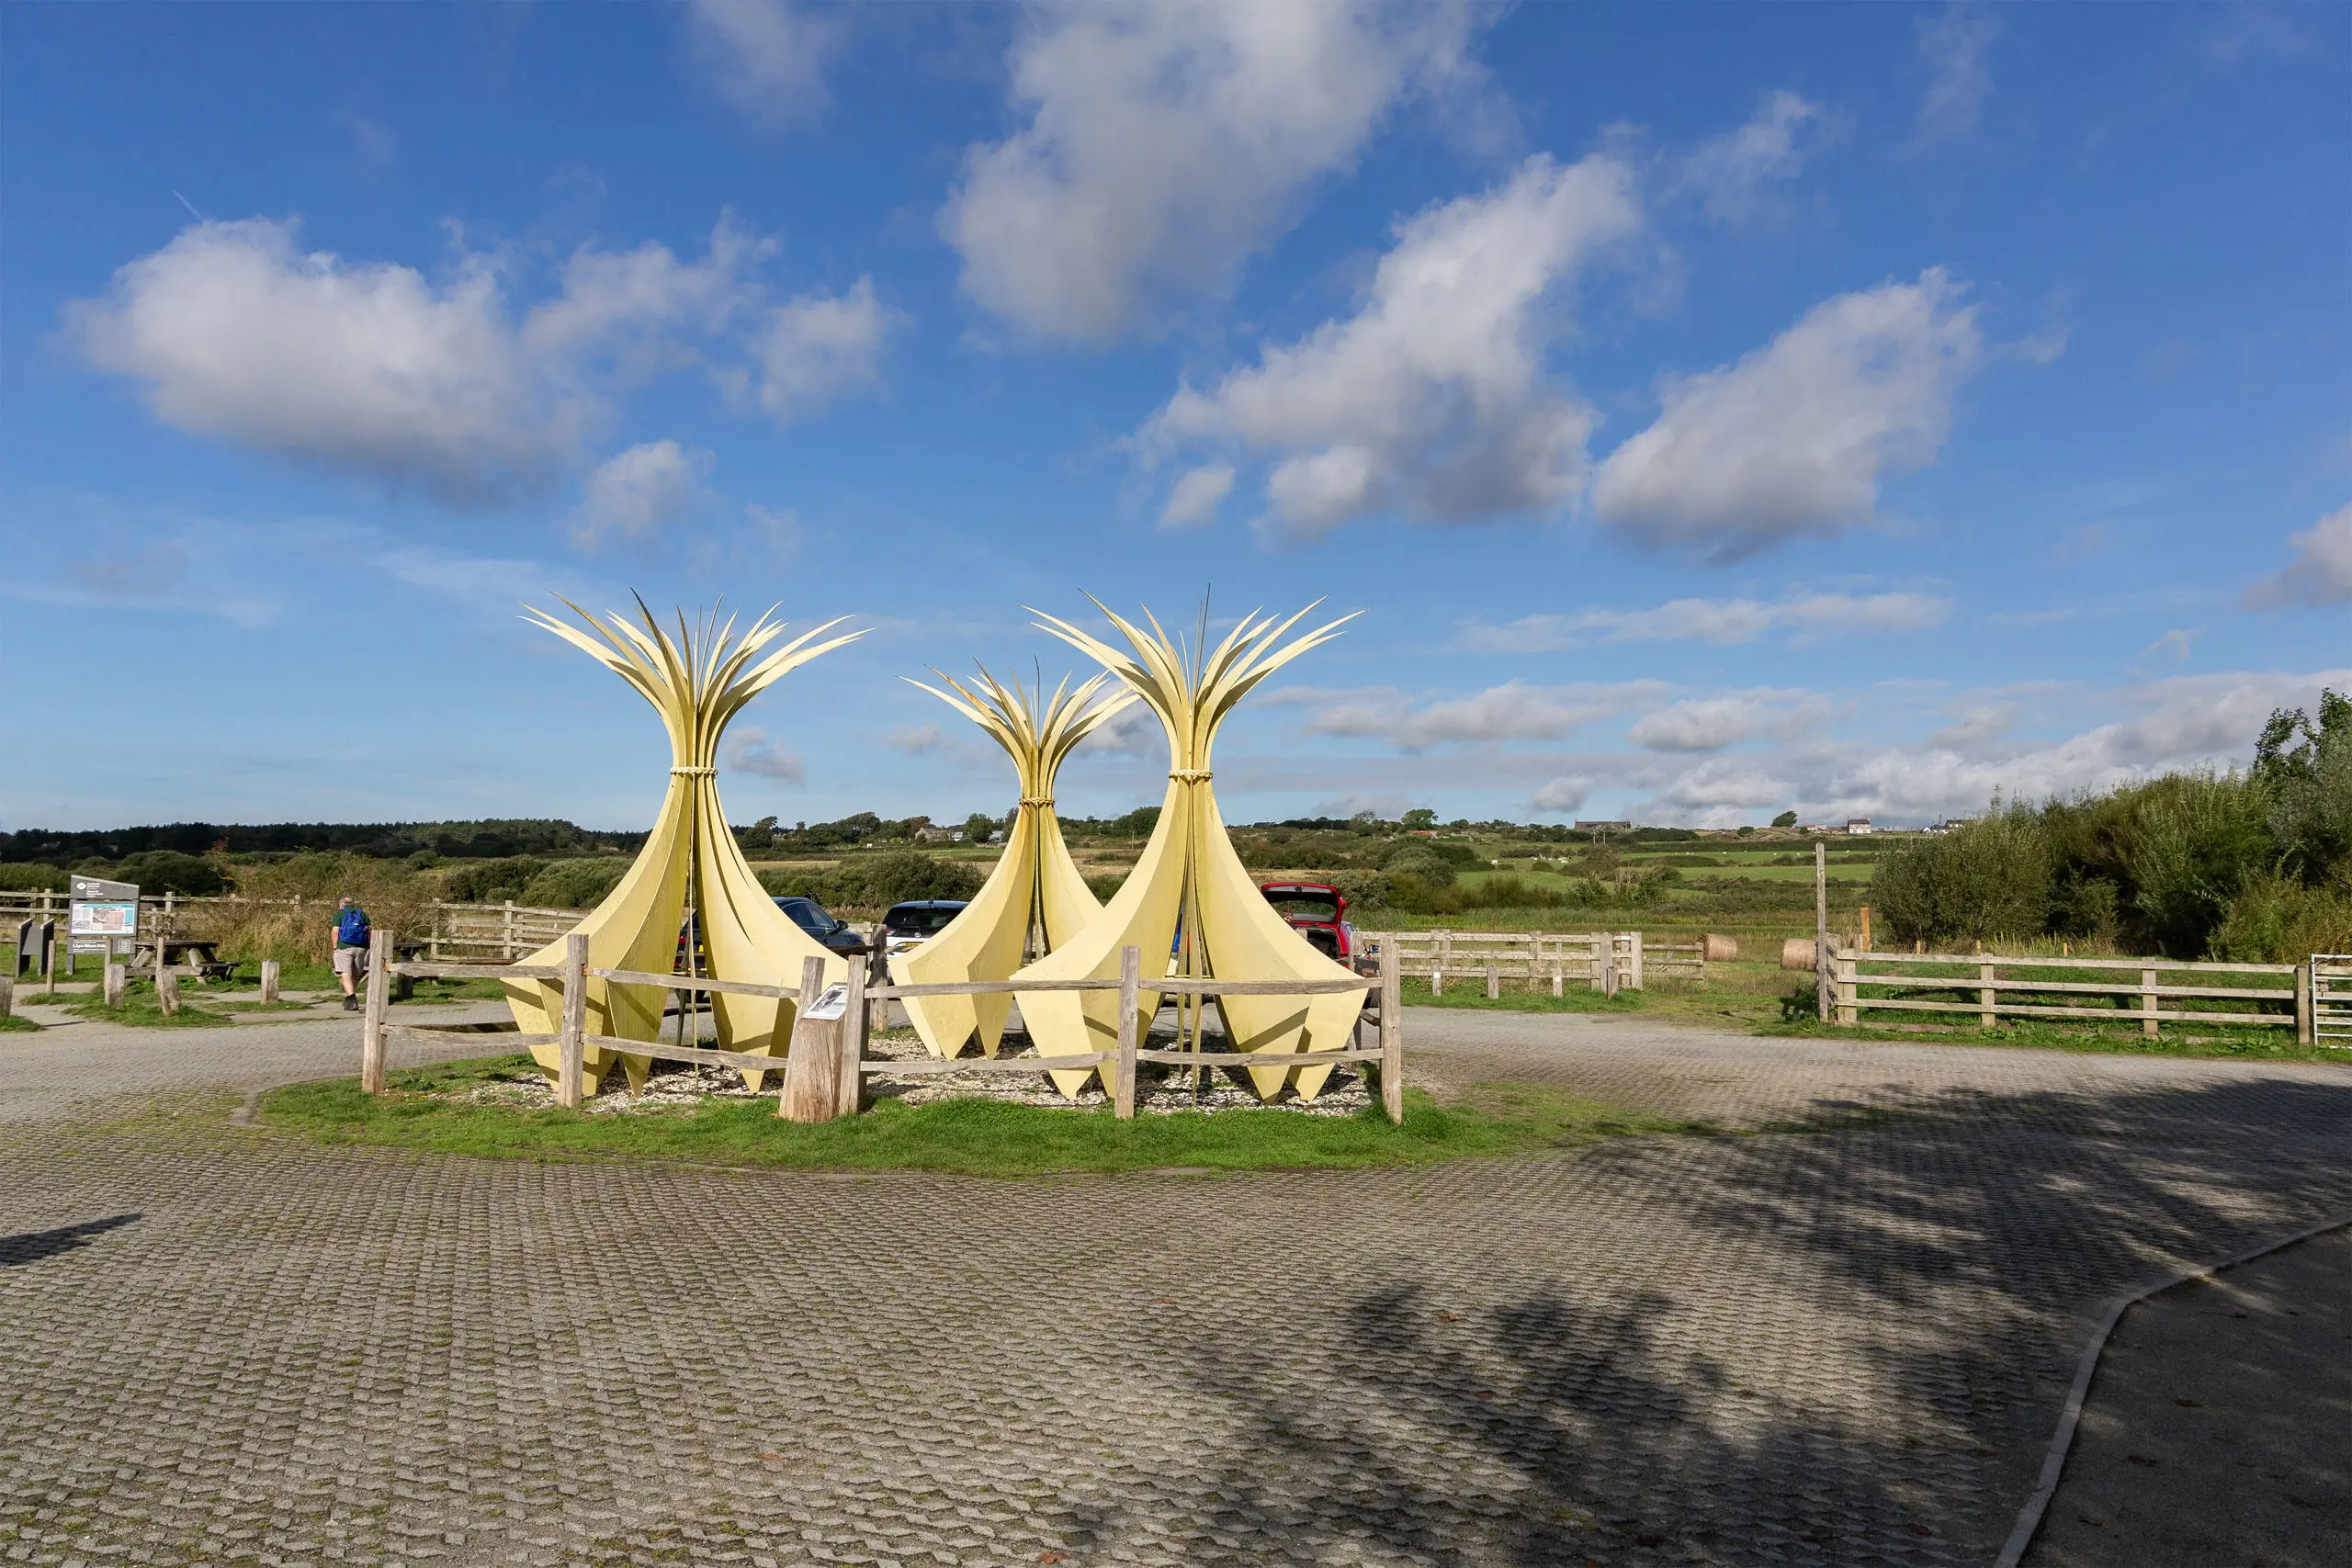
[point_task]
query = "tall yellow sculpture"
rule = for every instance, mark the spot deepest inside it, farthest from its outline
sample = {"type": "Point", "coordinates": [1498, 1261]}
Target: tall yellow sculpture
{"type": "Point", "coordinates": [1190, 905]}
{"type": "Point", "coordinates": [1035, 900]}
{"type": "Point", "coordinates": [696, 682]}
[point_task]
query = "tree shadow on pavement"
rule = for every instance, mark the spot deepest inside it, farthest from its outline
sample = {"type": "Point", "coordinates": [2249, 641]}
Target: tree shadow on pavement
{"type": "Point", "coordinates": [1862, 1362]}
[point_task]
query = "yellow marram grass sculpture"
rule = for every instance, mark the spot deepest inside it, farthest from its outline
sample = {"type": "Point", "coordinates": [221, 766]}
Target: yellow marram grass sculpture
{"type": "Point", "coordinates": [1035, 900]}
{"type": "Point", "coordinates": [1190, 905]}
{"type": "Point", "coordinates": [696, 682]}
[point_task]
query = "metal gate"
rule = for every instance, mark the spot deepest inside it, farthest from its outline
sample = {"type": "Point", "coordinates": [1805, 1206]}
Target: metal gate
{"type": "Point", "coordinates": [2332, 1000]}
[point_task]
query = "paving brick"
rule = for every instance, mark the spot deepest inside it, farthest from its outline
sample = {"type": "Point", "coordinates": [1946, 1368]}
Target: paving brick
{"type": "Point", "coordinates": [1835, 1346]}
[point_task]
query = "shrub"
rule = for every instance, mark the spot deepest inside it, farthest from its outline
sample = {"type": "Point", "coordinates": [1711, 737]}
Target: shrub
{"type": "Point", "coordinates": [2277, 919]}
{"type": "Point", "coordinates": [168, 871]}
{"type": "Point", "coordinates": [903, 874]}
{"type": "Point", "coordinates": [1105, 886]}
{"type": "Point", "coordinates": [1983, 881]}
{"type": "Point", "coordinates": [1420, 861]}
{"type": "Point", "coordinates": [1361, 889]}
{"type": "Point", "coordinates": [493, 881]}
{"type": "Point", "coordinates": [257, 925]}
{"type": "Point", "coordinates": [575, 884]}
{"type": "Point", "coordinates": [31, 878]}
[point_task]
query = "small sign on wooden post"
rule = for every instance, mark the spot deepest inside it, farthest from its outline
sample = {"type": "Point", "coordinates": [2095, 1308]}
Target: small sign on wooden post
{"type": "Point", "coordinates": [854, 1029]}
{"type": "Point", "coordinates": [811, 1070]}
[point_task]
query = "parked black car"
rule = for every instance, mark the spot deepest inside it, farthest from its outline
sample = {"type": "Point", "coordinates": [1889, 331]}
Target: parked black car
{"type": "Point", "coordinates": [806, 913]}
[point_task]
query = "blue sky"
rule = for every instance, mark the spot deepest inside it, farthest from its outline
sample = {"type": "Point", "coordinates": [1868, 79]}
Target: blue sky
{"type": "Point", "coordinates": [1712, 410]}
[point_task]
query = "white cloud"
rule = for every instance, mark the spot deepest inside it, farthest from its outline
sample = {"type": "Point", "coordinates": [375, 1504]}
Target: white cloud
{"type": "Point", "coordinates": [1512, 711]}
{"type": "Point", "coordinates": [818, 346]}
{"type": "Point", "coordinates": [1794, 438]}
{"type": "Point", "coordinates": [1194, 497]}
{"type": "Point", "coordinates": [1387, 806]}
{"type": "Point", "coordinates": [1167, 141]}
{"type": "Point", "coordinates": [1710, 724]}
{"type": "Point", "coordinates": [1134, 731]}
{"type": "Point", "coordinates": [1565, 795]}
{"type": "Point", "coordinates": [767, 58]}
{"type": "Point", "coordinates": [2321, 572]}
{"type": "Point", "coordinates": [374, 368]}
{"type": "Point", "coordinates": [1728, 173]}
{"type": "Point", "coordinates": [634, 494]}
{"type": "Point", "coordinates": [1954, 47]}
{"type": "Point", "coordinates": [751, 750]}
{"type": "Point", "coordinates": [1432, 397]}
{"type": "Point", "coordinates": [355, 366]}
{"type": "Point", "coordinates": [1804, 618]}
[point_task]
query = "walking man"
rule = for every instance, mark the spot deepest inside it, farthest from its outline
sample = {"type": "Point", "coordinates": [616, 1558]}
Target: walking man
{"type": "Point", "coordinates": [350, 949]}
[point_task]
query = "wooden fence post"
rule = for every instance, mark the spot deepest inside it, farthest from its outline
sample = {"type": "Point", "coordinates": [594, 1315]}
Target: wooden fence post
{"type": "Point", "coordinates": [1392, 1034]}
{"type": "Point", "coordinates": [1989, 996]}
{"type": "Point", "coordinates": [2304, 1022]}
{"type": "Point", "coordinates": [167, 991]}
{"type": "Point", "coordinates": [1437, 963]}
{"type": "Point", "coordinates": [572, 1044]}
{"type": "Point", "coordinates": [1603, 955]}
{"type": "Point", "coordinates": [112, 981]}
{"type": "Point", "coordinates": [506, 938]}
{"type": "Point", "coordinates": [433, 944]}
{"type": "Point", "coordinates": [269, 973]}
{"type": "Point", "coordinates": [1866, 928]}
{"type": "Point", "coordinates": [856, 1027]}
{"type": "Point", "coordinates": [1558, 979]}
{"type": "Point", "coordinates": [1494, 980]}
{"type": "Point", "coordinates": [2148, 1003]}
{"type": "Point", "coordinates": [7, 995]}
{"type": "Point", "coordinates": [1635, 978]}
{"type": "Point", "coordinates": [1821, 980]}
{"type": "Point", "coordinates": [1848, 992]}
{"type": "Point", "coordinates": [1123, 1081]}
{"type": "Point", "coordinates": [1609, 971]}
{"type": "Point", "coordinates": [810, 1092]}
{"type": "Point", "coordinates": [371, 1022]}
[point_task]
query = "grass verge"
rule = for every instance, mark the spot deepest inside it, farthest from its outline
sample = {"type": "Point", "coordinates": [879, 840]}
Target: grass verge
{"type": "Point", "coordinates": [425, 1110]}
{"type": "Point", "coordinates": [12, 1024]}
{"type": "Point", "coordinates": [2221, 1041]}
{"type": "Point", "coordinates": [140, 1010]}
{"type": "Point", "coordinates": [1470, 991]}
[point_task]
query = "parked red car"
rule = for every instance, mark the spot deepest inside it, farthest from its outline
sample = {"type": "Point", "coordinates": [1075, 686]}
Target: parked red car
{"type": "Point", "coordinates": [1319, 912]}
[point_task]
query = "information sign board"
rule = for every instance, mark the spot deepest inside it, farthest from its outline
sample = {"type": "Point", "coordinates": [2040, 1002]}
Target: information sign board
{"type": "Point", "coordinates": [103, 917]}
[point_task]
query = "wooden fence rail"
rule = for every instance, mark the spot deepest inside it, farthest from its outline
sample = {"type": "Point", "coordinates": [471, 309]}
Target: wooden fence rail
{"type": "Point", "coordinates": [1990, 977]}
{"type": "Point", "coordinates": [1606, 962]}
{"type": "Point", "coordinates": [850, 1026]}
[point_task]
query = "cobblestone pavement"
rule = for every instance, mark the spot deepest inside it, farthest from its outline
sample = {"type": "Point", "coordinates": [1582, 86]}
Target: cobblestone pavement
{"type": "Point", "coordinates": [1844, 1344]}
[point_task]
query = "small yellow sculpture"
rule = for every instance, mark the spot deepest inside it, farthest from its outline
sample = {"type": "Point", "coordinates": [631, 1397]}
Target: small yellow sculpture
{"type": "Point", "coordinates": [697, 683]}
{"type": "Point", "coordinates": [1190, 905]}
{"type": "Point", "coordinates": [1035, 900]}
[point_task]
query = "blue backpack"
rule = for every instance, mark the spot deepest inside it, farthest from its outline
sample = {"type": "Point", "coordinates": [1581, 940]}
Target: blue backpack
{"type": "Point", "coordinates": [351, 928]}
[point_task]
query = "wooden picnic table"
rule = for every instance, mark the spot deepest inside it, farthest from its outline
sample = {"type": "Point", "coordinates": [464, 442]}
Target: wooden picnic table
{"type": "Point", "coordinates": [201, 954]}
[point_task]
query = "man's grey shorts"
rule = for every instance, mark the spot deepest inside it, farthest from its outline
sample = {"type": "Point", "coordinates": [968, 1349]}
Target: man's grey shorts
{"type": "Point", "coordinates": [351, 961]}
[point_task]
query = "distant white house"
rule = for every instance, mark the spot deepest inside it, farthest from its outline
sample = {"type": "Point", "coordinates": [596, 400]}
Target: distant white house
{"type": "Point", "coordinates": [1859, 825]}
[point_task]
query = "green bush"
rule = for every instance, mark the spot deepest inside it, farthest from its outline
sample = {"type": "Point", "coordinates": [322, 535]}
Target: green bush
{"type": "Point", "coordinates": [876, 882]}
{"type": "Point", "coordinates": [32, 878]}
{"type": "Point", "coordinates": [1983, 881]}
{"type": "Point", "coordinates": [493, 881]}
{"type": "Point", "coordinates": [575, 884]}
{"type": "Point", "coordinates": [1106, 886]}
{"type": "Point", "coordinates": [168, 871]}
{"type": "Point", "coordinates": [1420, 861]}
{"type": "Point", "coordinates": [2276, 919]}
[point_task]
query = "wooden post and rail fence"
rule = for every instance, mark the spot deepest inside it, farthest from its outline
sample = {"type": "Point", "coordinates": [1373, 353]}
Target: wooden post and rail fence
{"type": "Point", "coordinates": [2149, 991]}
{"type": "Point", "coordinates": [825, 1071]}
{"type": "Point", "coordinates": [1606, 962]}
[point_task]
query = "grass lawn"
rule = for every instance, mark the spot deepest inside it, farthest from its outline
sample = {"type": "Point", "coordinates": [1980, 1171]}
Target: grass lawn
{"type": "Point", "coordinates": [425, 1110]}
{"type": "Point", "coordinates": [12, 1024]}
